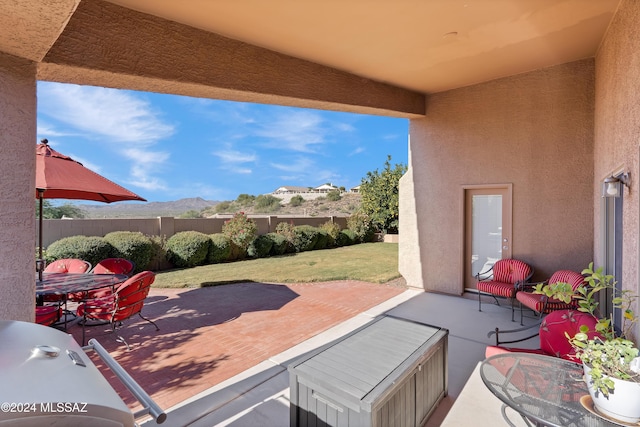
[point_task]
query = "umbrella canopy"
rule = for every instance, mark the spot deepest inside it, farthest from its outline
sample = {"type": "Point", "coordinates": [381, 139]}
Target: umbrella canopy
{"type": "Point", "coordinates": [60, 177]}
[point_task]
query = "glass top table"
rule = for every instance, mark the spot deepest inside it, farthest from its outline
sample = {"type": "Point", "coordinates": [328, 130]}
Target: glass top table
{"type": "Point", "coordinates": [67, 283]}
{"type": "Point", "coordinates": [544, 390]}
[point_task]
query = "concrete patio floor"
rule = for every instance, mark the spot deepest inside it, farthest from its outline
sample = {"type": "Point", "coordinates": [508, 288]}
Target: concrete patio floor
{"type": "Point", "coordinates": [221, 355]}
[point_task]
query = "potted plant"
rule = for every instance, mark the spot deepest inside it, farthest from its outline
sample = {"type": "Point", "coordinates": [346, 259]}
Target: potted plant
{"type": "Point", "coordinates": [610, 359]}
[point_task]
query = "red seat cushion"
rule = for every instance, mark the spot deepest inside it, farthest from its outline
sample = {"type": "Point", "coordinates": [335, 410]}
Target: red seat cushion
{"type": "Point", "coordinates": [537, 301]}
{"type": "Point", "coordinates": [553, 327]}
{"type": "Point", "coordinates": [502, 289]}
{"type": "Point", "coordinates": [506, 273]}
{"type": "Point", "coordinates": [48, 314]}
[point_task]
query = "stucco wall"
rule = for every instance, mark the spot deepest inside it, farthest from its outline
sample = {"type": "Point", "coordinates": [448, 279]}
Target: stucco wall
{"type": "Point", "coordinates": [617, 129]}
{"type": "Point", "coordinates": [17, 163]}
{"type": "Point", "coordinates": [533, 130]}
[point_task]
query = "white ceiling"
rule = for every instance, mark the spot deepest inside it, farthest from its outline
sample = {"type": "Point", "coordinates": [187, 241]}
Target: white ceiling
{"type": "Point", "coordinates": [423, 45]}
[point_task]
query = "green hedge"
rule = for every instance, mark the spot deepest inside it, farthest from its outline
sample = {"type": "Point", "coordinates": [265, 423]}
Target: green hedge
{"type": "Point", "coordinates": [260, 247]}
{"type": "Point", "coordinates": [305, 238]}
{"type": "Point", "coordinates": [134, 246]}
{"type": "Point", "coordinates": [280, 244]}
{"type": "Point", "coordinates": [346, 238]}
{"type": "Point", "coordinates": [188, 248]}
{"type": "Point", "coordinates": [89, 248]}
{"type": "Point", "coordinates": [220, 250]}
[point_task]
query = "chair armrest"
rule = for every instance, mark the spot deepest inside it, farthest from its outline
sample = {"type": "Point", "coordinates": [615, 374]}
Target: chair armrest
{"type": "Point", "coordinates": [528, 286]}
{"type": "Point", "coordinates": [497, 332]}
{"type": "Point", "coordinates": [482, 273]}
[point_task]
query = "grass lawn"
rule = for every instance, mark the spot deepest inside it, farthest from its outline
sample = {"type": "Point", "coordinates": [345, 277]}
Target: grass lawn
{"type": "Point", "coordinates": [369, 262]}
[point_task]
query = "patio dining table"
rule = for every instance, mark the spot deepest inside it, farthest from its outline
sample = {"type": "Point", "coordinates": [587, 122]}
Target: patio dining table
{"type": "Point", "coordinates": [63, 284]}
{"type": "Point", "coordinates": [544, 390]}
{"type": "Point", "coordinates": [68, 283]}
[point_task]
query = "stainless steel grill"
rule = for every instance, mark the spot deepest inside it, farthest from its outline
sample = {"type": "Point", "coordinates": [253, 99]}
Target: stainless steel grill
{"type": "Point", "coordinates": [46, 378]}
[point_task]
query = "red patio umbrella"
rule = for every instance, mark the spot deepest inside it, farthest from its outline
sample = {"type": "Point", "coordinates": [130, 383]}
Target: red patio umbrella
{"type": "Point", "coordinates": [60, 177]}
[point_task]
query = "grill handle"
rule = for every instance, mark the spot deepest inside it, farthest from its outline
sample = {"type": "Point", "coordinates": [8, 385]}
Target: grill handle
{"type": "Point", "coordinates": [148, 405]}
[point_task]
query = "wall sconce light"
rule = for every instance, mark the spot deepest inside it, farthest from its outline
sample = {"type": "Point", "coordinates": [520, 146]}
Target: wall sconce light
{"type": "Point", "coordinates": [612, 186]}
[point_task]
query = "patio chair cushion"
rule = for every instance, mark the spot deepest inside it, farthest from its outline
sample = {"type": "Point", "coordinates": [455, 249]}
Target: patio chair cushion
{"type": "Point", "coordinates": [553, 341]}
{"type": "Point", "coordinates": [47, 315]}
{"type": "Point", "coordinates": [506, 273]}
{"type": "Point", "coordinates": [556, 325]}
{"type": "Point", "coordinates": [114, 266]}
{"type": "Point", "coordinates": [68, 265]}
{"type": "Point", "coordinates": [540, 303]}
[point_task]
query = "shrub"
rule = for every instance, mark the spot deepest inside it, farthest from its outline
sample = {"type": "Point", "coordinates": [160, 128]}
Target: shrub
{"type": "Point", "coordinates": [285, 229]}
{"type": "Point", "coordinates": [346, 237]}
{"type": "Point", "coordinates": [188, 248]}
{"type": "Point", "coordinates": [220, 250]}
{"type": "Point", "coordinates": [360, 224]}
{"type": "Point", "coordinates": [241, 230]}
{"type": "Point", "coordinates": [159, 259]}
{"type": "Point", "coordinates": [245, 199]}
{"type": "Point", "coordinates": [266, 203]}
{"type": "Point", "coordinates": [334, 195]}
{"type": "Point", "coordinates": [132, 245]}
{"type": "Point", "coordinates": [89, 248]}
{"type": "Point", "coordinates": [323, 239]}
{"type": "Point", "coordinates": [223, 207]}
{"type": "Point", "coordinates": [280, 245]}
{"type": "Point", "coordinates": [333, 230]}
{"type": "Point", "coordinates": [305, 238]}
{"type": "Point", "coordinates": [296, 200]}
{"type": "Point", "coordinates": [261, 247]}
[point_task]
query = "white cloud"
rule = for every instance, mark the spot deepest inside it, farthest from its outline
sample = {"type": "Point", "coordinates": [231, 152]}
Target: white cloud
{"type": "Point", "coordinates": [234, 156]}
{"type": "Point", "coordinates": [357, 151]}
{"type": "Point", "coordinates": [144, 164]}
{"type": "Point", "coordinates": [297, 130]}
{"type": "Point", "coordinates": [116, 114]}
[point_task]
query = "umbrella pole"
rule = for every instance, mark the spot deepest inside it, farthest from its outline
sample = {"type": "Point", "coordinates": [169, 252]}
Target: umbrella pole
{"type": "Point", "coordinates": [40, 264]}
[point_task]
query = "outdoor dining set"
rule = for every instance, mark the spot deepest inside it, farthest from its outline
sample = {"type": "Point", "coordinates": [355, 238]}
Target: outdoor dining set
{"type": "Point", "coordinates": [108, 293]}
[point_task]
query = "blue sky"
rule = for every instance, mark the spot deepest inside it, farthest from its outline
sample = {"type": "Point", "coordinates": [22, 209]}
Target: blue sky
{"type": "Point", "coordinates": [166, 147]}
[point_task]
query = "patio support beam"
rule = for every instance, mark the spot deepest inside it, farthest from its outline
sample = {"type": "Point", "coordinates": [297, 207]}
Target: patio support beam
{"type": "Point", "coordinates": [107, 45]}
{"type": "Point", "coordinates": [17, 192]}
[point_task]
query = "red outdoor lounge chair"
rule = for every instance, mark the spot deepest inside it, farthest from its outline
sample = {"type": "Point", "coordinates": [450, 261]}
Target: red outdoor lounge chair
{"type": "Point", "coordinates": [553, 341]}
{"type": "Point", "coordinates": [507, 276]}
{"type": "Point", "coordinates": [541, 304]}
{"type": "Point", "coordinates": [125, 302]}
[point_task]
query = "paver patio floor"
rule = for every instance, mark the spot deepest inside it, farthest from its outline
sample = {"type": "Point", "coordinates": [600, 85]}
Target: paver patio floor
{"type": "Point", "coordinates": [208, 335]}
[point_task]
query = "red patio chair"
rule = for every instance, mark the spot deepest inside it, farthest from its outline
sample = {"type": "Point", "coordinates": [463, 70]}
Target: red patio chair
{"type": "Point", "coordinates": [106, 266]}
{"type": "Point", "coordinates": [47, 315]}
{"type": "Point", "coordinates": [114, 266]}
{"type": "Point", "coordinates": [553, 341]}
{"type": "Point", "coordinates": [68, 265]}
{"type": "Point", "coordinates": [65, 265]}
{"type": "Point", "coordinates": [541, 304]}
{"type": "Point", "coordinates": [125, 302]}
{"type": "Point", "coordinates": [503, 279]}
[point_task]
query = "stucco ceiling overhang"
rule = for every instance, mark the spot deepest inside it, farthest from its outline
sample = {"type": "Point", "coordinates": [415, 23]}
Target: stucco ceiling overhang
{"type": "Point", "coordinates": [422, 45]}
{"type": "Point", "coordinates": [371, 56]}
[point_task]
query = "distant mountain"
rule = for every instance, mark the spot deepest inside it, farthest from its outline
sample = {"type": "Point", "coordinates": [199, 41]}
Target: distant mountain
{"type": "Point", "coordinates": [145, 210]}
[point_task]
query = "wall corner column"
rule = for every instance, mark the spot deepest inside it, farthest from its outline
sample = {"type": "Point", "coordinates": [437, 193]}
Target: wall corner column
{"type": "Point", "coordinates": [18, 124]}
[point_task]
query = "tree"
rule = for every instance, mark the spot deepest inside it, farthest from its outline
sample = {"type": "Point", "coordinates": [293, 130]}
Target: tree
{"type": "Point", "coordinates": [56, 212]}
{"type": "Point", "coordinates": [190, 214]}
{"type": "Point", "coordinates": [379, 196]}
